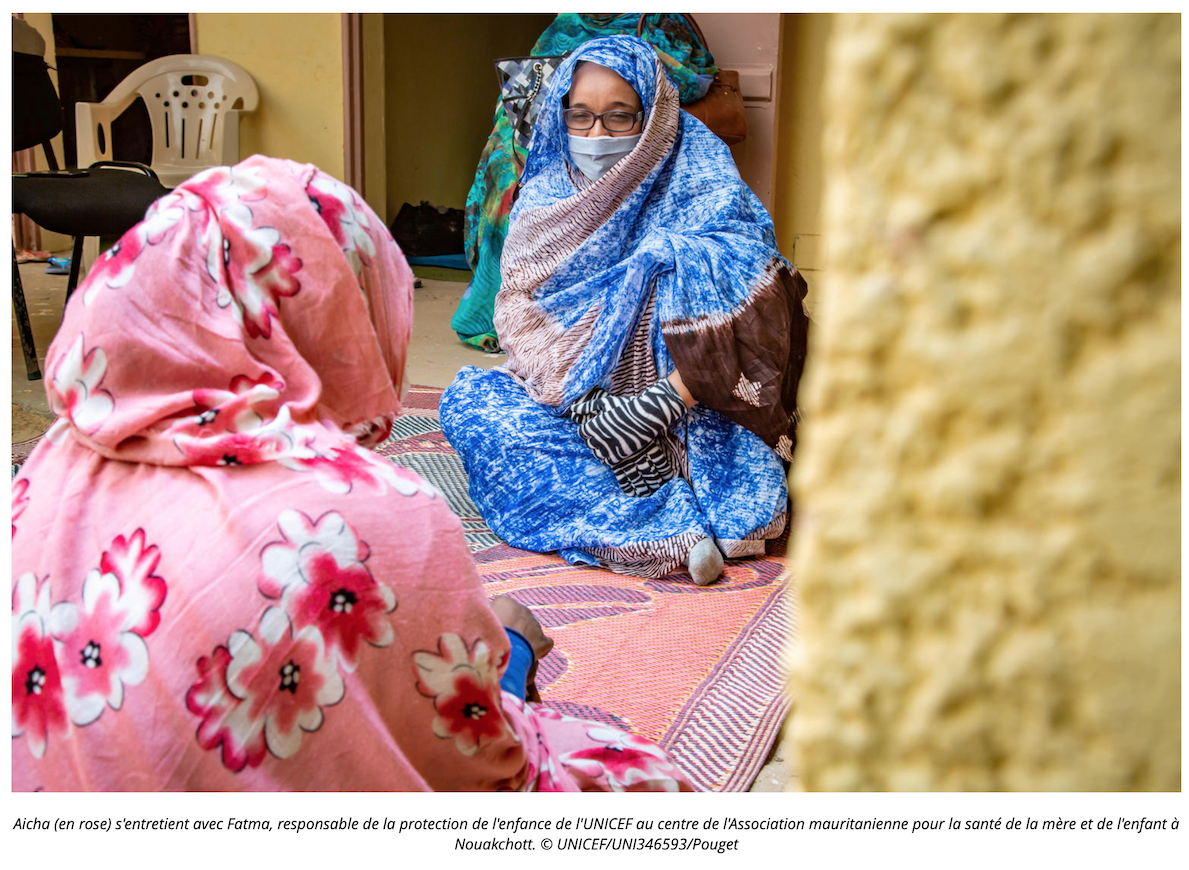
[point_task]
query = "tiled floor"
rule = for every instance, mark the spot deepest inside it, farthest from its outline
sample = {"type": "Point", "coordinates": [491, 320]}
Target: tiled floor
{"type": "Point", "coordinates": [435, 355]}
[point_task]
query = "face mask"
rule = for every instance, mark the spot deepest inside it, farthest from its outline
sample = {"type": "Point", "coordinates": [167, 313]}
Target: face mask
{"type": "Point", "coordinates": [594, 155]}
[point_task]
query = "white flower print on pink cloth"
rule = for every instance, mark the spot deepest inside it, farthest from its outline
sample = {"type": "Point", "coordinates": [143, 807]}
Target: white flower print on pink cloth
{"type": "Point", "coordinates": [269, 442]}
{"type": "Point", "coordinates": [141, 591]}
{"type": "Point", "coordinates": [38, 703]}
{"type": "Point", "coordinates": [341, 469]}
{"type": "Point", "coordinates": [29, 594]}
{"type": "Point", "coordinates": [242, 407]}
{"type": "Point", "coordinates": [318, 573]}
{"type": "Point", "coordinates": [263, 694]}
{"type": "Point", "coordinates": [624, 760]}
{"type": "Point", "coordinates": [350, 227]}
{"type": "Point", "coordinates": [212, 700]}
{"type": "Point", "coordinates": [226, 186]}
{"type": "Point", "coordinates": [263, 272]}
{"type": "Point", "coordinates": [259, 266]}
{"type": "Point", "coordinates": [116, 266]}
{"type": "Point", "coordinates": [74, 390]}
{"type": "Point", "coordinates": [74, 659]}
{"type": "Point", "coordinates": [100, 642]}
{"type": "Point", "coordinates": [97, 657]}
{"type": "Point", "coordinates": [19, 501]}
{"type": "Point", "coordinates": [464, 683]}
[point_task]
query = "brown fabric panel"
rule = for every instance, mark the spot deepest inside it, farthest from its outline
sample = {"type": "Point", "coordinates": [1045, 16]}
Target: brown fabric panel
{"type": "Point", "coordinates": [748, 368]}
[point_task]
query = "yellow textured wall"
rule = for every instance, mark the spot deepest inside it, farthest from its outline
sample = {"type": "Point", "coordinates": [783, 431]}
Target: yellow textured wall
{"type": "Point", "coordinates": [441, 93]}
{"type": "Point", "coordinates": [988, 481]}
{"type": "Point", "coordinates": [297, 62]}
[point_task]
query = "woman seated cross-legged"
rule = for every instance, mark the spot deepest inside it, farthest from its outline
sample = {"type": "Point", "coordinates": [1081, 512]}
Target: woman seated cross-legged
{"type": "Point", "coordinates": [655, 338]}
{"type": "Point", "coordinates": [216, 586]}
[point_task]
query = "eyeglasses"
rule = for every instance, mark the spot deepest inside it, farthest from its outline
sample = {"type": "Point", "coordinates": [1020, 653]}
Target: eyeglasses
{"type": "Point", "coordinates": [613, 122]}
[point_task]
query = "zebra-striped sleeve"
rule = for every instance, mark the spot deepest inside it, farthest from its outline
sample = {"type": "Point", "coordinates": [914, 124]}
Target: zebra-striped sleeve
{"type": "Point", "coordinates": [626, 426]}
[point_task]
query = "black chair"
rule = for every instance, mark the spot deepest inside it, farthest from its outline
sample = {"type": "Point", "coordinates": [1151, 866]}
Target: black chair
{"type": "Point", "coordinates": [106, 199]}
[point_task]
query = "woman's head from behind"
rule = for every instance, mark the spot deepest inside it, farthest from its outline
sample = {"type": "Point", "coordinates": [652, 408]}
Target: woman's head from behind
{"type": "Point", "coordinates": [252, 297]}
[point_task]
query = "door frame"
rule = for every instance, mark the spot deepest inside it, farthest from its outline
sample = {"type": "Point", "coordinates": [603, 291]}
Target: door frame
{"type": "Point", "coordinates": [353, 152]}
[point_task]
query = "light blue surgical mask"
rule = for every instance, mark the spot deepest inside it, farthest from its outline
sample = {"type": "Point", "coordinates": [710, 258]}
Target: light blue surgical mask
{"type": "Point", "coordinates": [594, 155]}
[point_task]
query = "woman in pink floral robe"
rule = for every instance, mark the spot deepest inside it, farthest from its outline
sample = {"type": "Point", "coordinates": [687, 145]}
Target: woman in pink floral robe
{"type": "Point", "coordinates": [216, 585]}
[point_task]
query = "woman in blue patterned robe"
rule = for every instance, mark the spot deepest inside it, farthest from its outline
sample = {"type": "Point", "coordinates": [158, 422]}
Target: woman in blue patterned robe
{"type": "Point", "coordinates": [619, 275]}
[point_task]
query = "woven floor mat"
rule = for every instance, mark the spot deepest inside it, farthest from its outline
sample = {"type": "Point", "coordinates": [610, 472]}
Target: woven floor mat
{"type": "Point", "coordinates": [700, 670]}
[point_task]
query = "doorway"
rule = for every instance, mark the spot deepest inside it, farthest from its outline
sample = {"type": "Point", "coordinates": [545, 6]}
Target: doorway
{"type": "Point", "coordinates": [433, 135]}
{"type": "Point", "coordinates": [435, 132]}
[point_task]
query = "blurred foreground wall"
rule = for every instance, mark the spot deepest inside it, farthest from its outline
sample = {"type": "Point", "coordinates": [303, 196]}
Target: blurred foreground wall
{"type": "Point", "coordinates": [988, 481]}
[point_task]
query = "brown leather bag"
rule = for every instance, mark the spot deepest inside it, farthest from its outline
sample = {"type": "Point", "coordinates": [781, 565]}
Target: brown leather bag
{"type": "Point", "coordinates": [722, 108]}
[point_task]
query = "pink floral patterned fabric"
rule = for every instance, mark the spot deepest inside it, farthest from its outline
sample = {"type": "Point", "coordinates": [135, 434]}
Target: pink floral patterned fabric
{"type": "Point", "coordinates": [216, 586]}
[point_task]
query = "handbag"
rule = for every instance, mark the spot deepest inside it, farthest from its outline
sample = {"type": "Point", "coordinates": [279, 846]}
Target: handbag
{"type": "Point", "coordinates": [721, 109]}
{"type": "Point", "coordinates": [522, 82]}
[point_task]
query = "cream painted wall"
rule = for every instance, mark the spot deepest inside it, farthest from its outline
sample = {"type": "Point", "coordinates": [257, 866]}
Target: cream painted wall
{"type": "Point", "coordinates": [441, 94]}
{"type": "Point", "coordinates": [297, 62]}
{"type": "Point", "coordinates": [988, 480]}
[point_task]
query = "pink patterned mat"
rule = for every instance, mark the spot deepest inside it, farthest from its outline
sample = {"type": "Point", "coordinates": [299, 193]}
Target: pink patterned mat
{"type": "Point", "coordinates": [701, 670]}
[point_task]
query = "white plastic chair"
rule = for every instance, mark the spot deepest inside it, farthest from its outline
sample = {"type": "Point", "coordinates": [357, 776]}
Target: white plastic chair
{"type": "Point", "coordinates": [194, 103]}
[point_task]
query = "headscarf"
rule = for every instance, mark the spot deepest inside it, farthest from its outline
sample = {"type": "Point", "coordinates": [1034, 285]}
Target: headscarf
{"type": "Point", "coordinates": [255, 350]}
{"type": "Point", "coordinates": [671, 226]}
{"type": "Point", "coordinates": [215, 587]}
{"type": "Point", "coordinates": [689, 64]}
